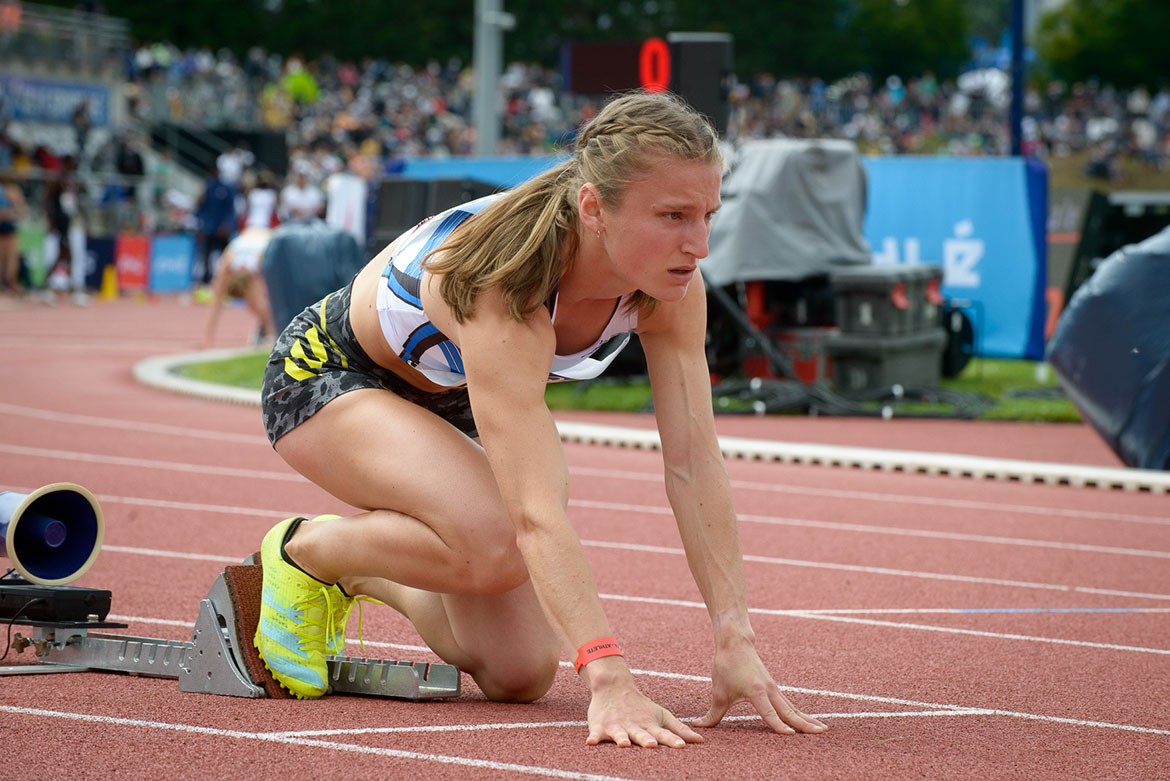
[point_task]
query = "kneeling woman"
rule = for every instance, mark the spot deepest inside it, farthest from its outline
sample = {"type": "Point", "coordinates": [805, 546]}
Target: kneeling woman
{"type": "Point", "coordinates": [417, 393]}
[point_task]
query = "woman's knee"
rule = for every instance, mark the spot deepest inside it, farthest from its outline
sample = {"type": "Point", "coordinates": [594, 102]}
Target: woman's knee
{"type": "Point", "coordinates": [514, 681]}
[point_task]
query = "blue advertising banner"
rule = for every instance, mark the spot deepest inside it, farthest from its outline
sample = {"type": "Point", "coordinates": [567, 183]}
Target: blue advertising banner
{"type": "Point", "coordinates": [507, 171]}
{"type": "Point", "coordinates": [983, 220]}
{"type": "Point", "coordinates": [99, 253]}
{"type": "Point", "coordinates": [49, 100]}
{"type": "Point", "coordinates": [171, 260]}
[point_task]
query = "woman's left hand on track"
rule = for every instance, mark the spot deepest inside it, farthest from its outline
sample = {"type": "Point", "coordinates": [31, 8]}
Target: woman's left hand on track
{"type": "Point", "coordinates": [740, 676]}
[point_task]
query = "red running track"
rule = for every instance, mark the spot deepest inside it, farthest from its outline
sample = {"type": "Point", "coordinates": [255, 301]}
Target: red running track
{"type": "Point", "coordinates": [943, 627]}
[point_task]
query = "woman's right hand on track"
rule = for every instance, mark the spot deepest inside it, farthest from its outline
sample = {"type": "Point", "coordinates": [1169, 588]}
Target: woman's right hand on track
{"type": "Point", "coordinates": [620, 713]}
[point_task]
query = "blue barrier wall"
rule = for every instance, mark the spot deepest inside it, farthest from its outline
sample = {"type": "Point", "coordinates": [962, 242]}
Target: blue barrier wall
{"type": "Point", "coordinates": [984, 221]}
{"type": "Point", "coordinates": [500, 171]}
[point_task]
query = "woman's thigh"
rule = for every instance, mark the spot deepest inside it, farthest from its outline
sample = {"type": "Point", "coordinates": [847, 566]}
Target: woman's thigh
{"type": "Point", "coordinates": [374, 450]}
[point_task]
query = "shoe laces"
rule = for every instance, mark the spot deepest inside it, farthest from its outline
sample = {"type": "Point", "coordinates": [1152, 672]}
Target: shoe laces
{"type": "Point", "coordinates": [357, 601]}
{"type": "Point", "coordinates": [313, 601]}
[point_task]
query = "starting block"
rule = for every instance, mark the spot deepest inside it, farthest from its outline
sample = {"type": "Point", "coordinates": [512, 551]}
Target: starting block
{"type": "Point", "coordinates": [220, 658]}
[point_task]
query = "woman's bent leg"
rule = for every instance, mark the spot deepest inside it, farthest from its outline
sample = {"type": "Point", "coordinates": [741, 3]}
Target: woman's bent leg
{"type": "Point", "coordinates": [436, 542]}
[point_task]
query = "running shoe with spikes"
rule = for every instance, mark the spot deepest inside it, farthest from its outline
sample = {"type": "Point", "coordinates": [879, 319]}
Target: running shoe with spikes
{"type": "Point", "coordinates": [299, 618]}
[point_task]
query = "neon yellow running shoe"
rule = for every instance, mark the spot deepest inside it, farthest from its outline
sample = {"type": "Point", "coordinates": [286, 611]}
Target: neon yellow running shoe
{"type": "Point", "coordinates": [298, 619]}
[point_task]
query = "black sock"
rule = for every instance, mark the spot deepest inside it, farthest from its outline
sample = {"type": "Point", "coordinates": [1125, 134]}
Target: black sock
{"type": "Point", "coordinates": [292, 527]}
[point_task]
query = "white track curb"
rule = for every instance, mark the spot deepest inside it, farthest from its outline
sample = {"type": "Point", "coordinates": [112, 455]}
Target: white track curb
{"type": "Point", "coordinates": [160, 373]}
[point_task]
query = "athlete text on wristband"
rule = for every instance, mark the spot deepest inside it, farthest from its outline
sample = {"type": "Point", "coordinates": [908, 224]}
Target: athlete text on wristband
{"type": "Point", "coordinates": [595, 649]}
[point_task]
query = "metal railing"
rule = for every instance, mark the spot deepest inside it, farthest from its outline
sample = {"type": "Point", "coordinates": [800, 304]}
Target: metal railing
{"type": "Point", "coordinates": [60, 38]}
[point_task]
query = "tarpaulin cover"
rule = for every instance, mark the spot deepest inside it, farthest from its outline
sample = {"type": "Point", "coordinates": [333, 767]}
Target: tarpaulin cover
{"type": "Point", "coordinates": [304, 262]}
{"type": "Point", "coordinates": [1111, 351]}
{"type": "Point", "coordinates": [791, 209]}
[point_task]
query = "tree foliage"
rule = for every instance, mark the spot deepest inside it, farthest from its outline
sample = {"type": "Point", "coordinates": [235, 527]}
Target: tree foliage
{"type": "Point", "coordinates": [1121, 42]}
{"type": "Point", "coordinates": [824, 38]}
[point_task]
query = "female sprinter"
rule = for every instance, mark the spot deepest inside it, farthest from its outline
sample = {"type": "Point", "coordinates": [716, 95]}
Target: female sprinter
{"type": "Point", "coordinates": [418, 394]}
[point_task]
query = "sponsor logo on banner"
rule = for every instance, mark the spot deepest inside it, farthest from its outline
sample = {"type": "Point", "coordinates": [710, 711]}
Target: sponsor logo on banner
{"type": "Point", "coordinates": [171, 258]}
{"type": "Point", "coordinates": [983, 221]}
{"type": "Point", "coordinates": [132, 261]}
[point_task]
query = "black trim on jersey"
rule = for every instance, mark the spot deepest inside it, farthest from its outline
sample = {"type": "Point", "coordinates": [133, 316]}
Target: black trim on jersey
{"type": "Point", "coordinates": [411, 285]}
{"type": "Point", "coordinates": [610, 347]}
{"type": "Point", "coordinates": [414, 357]}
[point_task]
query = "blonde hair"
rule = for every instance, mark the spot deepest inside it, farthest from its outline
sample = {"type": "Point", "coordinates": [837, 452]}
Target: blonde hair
{"type": "Point", "coordinates": [524, 241]}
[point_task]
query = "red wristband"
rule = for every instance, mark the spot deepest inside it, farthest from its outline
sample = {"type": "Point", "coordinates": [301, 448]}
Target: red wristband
{"type": "Point", "coordinates": [595, 649]}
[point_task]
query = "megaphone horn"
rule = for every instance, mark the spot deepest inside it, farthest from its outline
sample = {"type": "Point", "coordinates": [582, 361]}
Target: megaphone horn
{"type": "Point", "coordinates": [52, 535]}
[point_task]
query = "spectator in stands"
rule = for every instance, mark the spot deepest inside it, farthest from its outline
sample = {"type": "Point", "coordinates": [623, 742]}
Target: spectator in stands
{"type": "Point", "coordinates": [232, 163]}
{"type": "Point", "coordinates": [238, 275]}
{"type": "Point", "coordinates": [81, 128]}
{"type": "Point", "coordinates": [216, 214]}
{"type": "Point", "coordinates": [65, 252]}
{"type": "Point", "coordinates": [261, 201]}
{"type": "Point", "coordinates": [13, 209]}
{"type": "Point", "coordinates": [346, 196]}
{"type": "Point", "coordinates": [300, 199]}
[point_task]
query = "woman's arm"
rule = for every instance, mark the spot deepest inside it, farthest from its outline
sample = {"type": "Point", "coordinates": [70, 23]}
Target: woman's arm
{"type": "Point", "coordinates": [700, 495]}
{"type": "Point", "coordinates": [507, 365]}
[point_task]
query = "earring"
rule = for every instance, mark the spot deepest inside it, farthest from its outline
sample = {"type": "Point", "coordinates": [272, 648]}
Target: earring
{"type": "Point", "coordinates": [599, 234]}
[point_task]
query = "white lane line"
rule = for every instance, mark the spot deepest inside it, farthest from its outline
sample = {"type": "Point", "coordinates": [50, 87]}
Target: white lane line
{"type": "Point", "coordinates": [133, 425]}
{"type": "Point", "coordinates": [591, 472]}
{"type": "Point", "coordinates": [650, 510]}
{"type": "Point", "coordinates": [830, 616]}
{"type": "Point", "coordinates": [557, 724]}
{"type": "Point", "coordinates": [166, 504]}
{"type": "Point", "coordinates": [642, 476]}
{"type": "Point", "coordinates": [942, 708]}
{"type": "Point", "coordinates": [151, 463]}
{"type": "Point", "coordinates": [773, 520]}
{"type": "Point", "coordinates": [626, 546]}
{"type": "Point", "coordinates": [979, 633]}
{"type": "Point", "coordinates": [874, 496]}
{"type": "Point", "coordinates": [955, 611]}
{"type": "Point", "coordinates": [142, 463]}
{"type": "Point", "coordinates": [170, 554]}
{"type": "Point", "coordinates": [302, 741]}
{"type": "Point", "coordinates": [888, 571]}
{"type": "Point", "coordinates": [632, 547]}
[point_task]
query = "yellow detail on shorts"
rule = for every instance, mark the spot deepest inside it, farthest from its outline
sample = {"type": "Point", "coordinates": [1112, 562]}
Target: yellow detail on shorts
{"type": "Point", "coordinates": [318, 349]}
{"type": "Point", "coordinates": [314, 341]}
{"type": "Point", "coordinates": [296, 372]}
{"type": "Point", "coordinates": [340, 355]}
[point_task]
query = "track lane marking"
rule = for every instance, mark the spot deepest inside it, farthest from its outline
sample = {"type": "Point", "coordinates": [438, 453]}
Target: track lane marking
{"type": "Point", "coordinates": [632, 547]}
{"type": "Point", "coordinates": [73, 419]}
{"type": "Point", "coordinates": [625, 507]}
{"type": "Point", "coordinates": [841, 493]}
{"type": "Point", "coordinates": [776, 520]}
{"type": "Point", "coordinates": [869, 570]}
{"type": "Point", "coordinates": [164, 429]}
{"type": "Point", "coordinates": [266, 737]}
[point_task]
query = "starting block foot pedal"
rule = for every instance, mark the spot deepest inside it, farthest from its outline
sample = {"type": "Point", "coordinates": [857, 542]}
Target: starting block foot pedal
{"type": "Point", "coordinates": [224, 659]}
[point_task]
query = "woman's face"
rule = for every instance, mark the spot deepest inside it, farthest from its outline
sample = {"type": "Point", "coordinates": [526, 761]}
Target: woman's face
{"type": "Point", "coordinates": [657, 234]}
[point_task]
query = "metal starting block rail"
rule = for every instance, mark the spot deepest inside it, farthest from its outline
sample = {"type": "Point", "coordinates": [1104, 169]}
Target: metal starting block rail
{"type": "Point", "coordinates": [212, 662]}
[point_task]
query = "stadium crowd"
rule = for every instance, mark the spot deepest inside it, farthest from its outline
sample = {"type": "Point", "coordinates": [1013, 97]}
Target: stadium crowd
{"type": "Point", "coordinates": [371, 115]}
{"type": "Point", "coordinates": [394, 110]}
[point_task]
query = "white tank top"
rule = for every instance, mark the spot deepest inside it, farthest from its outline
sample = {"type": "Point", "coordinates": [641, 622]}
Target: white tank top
{"type": "Point", "coordinates": [419, 343]}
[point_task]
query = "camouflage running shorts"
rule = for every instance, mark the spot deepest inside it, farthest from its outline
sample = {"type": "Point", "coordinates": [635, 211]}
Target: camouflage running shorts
{"type": "Point", "coordinates": [317, 358]}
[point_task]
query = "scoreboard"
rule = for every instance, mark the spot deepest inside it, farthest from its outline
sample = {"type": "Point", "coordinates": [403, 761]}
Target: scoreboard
{"type": "Point", "coordinates": [695, 66]}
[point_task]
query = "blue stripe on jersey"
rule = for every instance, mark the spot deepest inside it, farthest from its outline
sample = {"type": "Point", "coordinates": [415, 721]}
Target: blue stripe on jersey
{"type": "Point", "coordinates": [454, 358]}
{"type": "Point", "coordinates": [420, 333]}
{"type": "Point", "coordinates": [403, 286]}
{"type": "Point", "coordinates": [449, 223]}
